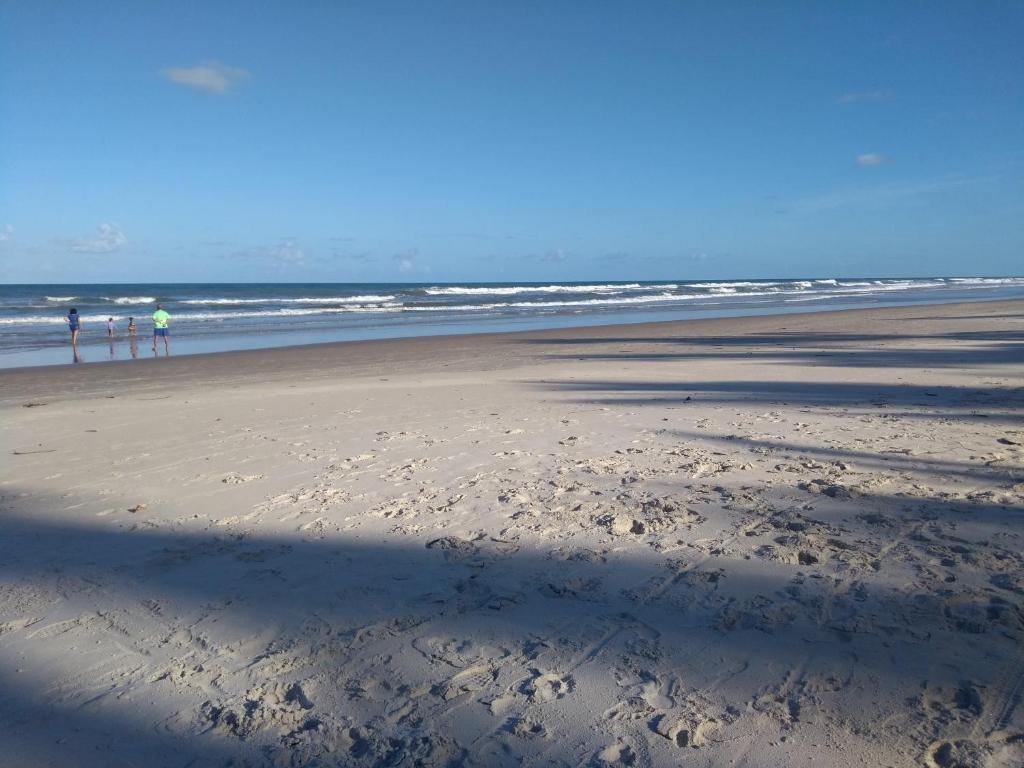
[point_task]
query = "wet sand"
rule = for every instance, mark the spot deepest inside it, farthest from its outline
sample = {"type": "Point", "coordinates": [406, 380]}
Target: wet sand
{"type": "Point", "coordinates": [786, 540]}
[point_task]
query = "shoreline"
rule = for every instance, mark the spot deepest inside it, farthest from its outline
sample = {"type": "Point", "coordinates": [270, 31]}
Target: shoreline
{"type": "Point", "coordinates": [359, 357]}
{"type": "Point", "coordinates": [584, 331]}
{"type": "Point", "coordinates": [216, 339]}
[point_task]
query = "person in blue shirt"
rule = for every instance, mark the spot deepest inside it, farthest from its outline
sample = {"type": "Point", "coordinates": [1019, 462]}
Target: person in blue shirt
{"type": "Point", "coordinates": [74, 323]}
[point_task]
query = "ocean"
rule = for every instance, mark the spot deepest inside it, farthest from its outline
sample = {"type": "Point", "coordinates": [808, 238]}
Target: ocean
{"type": "Point", "coordinates": [219, 317]}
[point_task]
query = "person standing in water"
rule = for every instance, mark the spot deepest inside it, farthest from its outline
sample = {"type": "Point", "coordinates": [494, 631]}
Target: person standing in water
{"type": "Point", "coordinates": [133, 341]}
{"type": "Point", "coordinates": [110, 336]}
{"type": "Point", "coordinates": [75, 324]}
{"type": "Point", "coordinates": [160, 321]}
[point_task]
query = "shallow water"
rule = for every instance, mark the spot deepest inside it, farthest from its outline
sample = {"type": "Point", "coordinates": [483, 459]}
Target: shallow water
{"type": "Point", "coordinates": [222, 317]}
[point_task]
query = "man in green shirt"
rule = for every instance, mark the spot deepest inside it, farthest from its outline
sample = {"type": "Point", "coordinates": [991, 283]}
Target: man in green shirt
{"type": "Point", "coordinates": [160, 321]}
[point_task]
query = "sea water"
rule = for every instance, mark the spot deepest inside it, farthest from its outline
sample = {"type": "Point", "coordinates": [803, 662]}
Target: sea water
{"type": "Point", "coordinates": [219, 317]}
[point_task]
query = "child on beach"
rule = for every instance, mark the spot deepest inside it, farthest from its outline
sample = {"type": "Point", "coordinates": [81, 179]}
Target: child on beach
{"type": "Point", "coordinates": [110, 327]}
{"type": "Point", "coordinates": [133, 341]}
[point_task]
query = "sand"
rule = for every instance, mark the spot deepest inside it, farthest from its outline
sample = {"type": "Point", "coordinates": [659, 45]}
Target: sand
{"type": "Point", "coordinates": [789, 540]}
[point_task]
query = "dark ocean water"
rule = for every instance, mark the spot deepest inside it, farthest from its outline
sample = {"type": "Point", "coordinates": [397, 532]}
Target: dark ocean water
{"type": "Point", "coordinates": [217, 317]}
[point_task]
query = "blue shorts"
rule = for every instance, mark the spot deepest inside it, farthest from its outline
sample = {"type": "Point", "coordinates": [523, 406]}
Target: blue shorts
{"type": "Point", "coordinates": [159, 332]}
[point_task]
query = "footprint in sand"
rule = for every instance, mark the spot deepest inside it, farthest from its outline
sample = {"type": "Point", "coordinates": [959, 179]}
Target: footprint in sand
{"type": "Point", "coordinates": [947, 704]}
{"type": "Point", "coordinates": [475, 678]}
{"type": "Point", "coordinates": [655, 695]}
{"type": "Point", "coordinates": [690, 731]}
{"type": "Point", "coordinates": [547, 686]}
{"type": "Point", "coordinates": [619, 753]}
{"type": "Point", "coordinates": [955, 754]}
{"type": "Point", "coordinates": [234, 478]}
{"type": "Point", "coordinates": [526, 728]}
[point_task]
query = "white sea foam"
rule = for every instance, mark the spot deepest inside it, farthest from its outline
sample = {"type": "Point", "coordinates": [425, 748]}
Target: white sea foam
{"type": "Point", "coordinates": [185, 316]}
{"type": "Point", "coordinates": [609, 296]}
{"type": "Point", "coordinates": [287, 312]}
{"type": "Point", "coordinates": [34, 320]}
{"type": "Point", "coordinates": [734, 284]}
{"type": "Point", "coordinates": [902, 285]}
{"type": "Point", "coordinates": [94, 300]}
{"type": "Point", "coordinates": [297, 300]}
{"type": "Point", "coordinates": [512, 290]}
{"type": "Point", "coordinates": [131, 299]}
{"type": "Point", "coordinates": [987, 280]}
{"type": "Point", "coordinates": [662, 297]}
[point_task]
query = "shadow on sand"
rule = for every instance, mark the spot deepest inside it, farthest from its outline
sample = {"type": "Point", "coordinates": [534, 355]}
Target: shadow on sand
{"type": "Point", "coordinates": [969, 349]}
{"type": "Point", "coordinates": [179, 639]}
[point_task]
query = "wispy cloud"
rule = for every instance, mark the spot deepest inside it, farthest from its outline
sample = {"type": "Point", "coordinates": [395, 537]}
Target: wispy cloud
{"type": "Point", "coordinates": [210, 76]}
{"type": "Point", "coordinates": [108, 239]}
{"type": "Point", "coordinates": [613, 256]}
{"type": "Point", "coordinates": [870, 158]}
{"type": "Point", "coordinates": [483, 236]}
{"type": "Point", "coordinates": [6, 232]}
{"type": "Point", "coordinates": [864, 97]}
{"type": "Point", "coordinates": [666, 260]}
{"type": "Point", "coordinates": [879, 197]}
{"type": "Point", "coordinates": [360, 256]}
{"type": "Point", "coordinates": [554, 256]}
{"type": "Point", "coordinates": [287, 253]}
{"type": "Point", "coordinates": [406, 260]}
{"type": "Point", "coordinates": [283, 254]}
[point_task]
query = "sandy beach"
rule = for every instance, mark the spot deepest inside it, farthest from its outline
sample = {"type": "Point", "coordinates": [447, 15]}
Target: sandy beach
{"type": "Point", "coordinates": [765, 541]}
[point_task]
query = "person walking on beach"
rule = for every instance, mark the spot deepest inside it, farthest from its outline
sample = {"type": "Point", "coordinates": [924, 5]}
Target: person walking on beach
{"type": "Point", "coordinates": [110, 328]}
{"type": "Point", "coordinates": [74, 323]}
{"type": "Point", "coordinates": [160, 321]}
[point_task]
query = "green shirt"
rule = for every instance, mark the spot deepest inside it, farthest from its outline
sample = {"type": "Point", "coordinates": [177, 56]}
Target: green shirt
{"type": "Point", "coordinates": [160, 318]}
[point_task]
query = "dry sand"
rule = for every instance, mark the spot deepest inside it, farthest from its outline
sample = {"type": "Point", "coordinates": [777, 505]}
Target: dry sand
{"type": "Point", "coordinates": [792, 540]}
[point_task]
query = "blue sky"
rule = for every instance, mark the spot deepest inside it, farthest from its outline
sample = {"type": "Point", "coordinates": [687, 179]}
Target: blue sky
{"type": "Point", "coordinates": [451, 141]}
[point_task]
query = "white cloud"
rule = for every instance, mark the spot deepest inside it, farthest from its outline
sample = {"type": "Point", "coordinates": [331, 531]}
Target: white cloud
{"type": "Point", "coordinates": [406, 260]}
{"type": "Point", "coordinates": [6, 232]}
{"type": "Point", "coordinates": [210, 76]}
{"type": "Point", "coordinates": [869, 159]}
{"type": "Point", "coordinates": [108, 239]}
{"type": "Point", "coordinates": [364, 256]}
{"type": "Point", "coordinates": [880, 197]}
{"type": "Point", "coordinates": [865, 97]}
{"type": "Point", "coordinates": [285, 253]}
